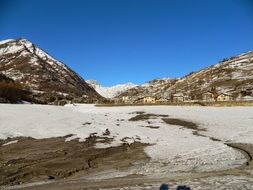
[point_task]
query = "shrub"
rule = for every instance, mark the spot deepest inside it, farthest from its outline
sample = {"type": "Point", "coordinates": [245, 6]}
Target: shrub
{"type": "Point", "coordinates": [13, 92]}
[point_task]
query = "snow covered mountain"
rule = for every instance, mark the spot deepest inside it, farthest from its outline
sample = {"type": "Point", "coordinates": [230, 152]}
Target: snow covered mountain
{"type": "Point", "coordinates": [232, 76]}
{"type": "Point", "coordinates": [49, 79]}
{"type": "Point", "coordinates": [110, 92]}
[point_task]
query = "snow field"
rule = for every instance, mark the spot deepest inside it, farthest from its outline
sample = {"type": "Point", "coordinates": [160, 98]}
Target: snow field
{"type": "Point", "coordinates": [172, 149]}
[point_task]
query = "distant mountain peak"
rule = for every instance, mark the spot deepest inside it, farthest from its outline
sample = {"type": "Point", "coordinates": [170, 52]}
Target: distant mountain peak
{"type": "Point", "coordinates": [93, 82]}
{"type": "Point", "coordinates": [110, 92]}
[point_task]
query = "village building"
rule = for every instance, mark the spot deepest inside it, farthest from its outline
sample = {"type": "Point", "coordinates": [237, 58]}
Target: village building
{"type": "Point", "coordinates": [162, 100]}
{"type": "Point", "coordinates": [126, 99]}
{"type": "Point", "coordinates": [208, 97]}
{"type": "Point", "coordinates": [246, 98]}
{"type": "Point", "coordinates": [225, 97]}
{"type": "Point", "coordinates": [178, 97]}
{"type": "Point", "coordinates": [149, 100]}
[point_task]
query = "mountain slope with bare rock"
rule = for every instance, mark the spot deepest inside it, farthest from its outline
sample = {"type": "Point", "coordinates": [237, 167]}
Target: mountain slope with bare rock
{"type": "Point", "coordinates": [48, 79]}
{"type": "Point", "coordinates": [156, 88]}
{"type": "Point", "coordinates": [232, 76]}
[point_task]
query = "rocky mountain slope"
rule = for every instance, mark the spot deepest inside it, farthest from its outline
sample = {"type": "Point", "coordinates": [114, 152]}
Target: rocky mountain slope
{"type": "Point", "coordinates": [48, 79]}
{"type": "Point", "coordinates": [12, 92]}
{"type": "Point", "coordinates": [156, 88]}
{"type": "Point", "coordinates": [110, 92]}
{"type": "Point", "coordinates": [232, 76]}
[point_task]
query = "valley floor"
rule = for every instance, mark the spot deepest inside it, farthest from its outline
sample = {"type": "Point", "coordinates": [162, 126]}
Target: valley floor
{"type": "Point", "coordinates": [88, 147]}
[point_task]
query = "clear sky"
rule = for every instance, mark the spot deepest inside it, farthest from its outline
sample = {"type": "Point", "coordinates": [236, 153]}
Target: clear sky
{"type": "Point", "coordinates": [116, 41]}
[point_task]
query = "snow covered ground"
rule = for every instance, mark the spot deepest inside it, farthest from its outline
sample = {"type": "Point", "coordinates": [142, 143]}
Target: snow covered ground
{"type": "Point", "coordinates": [174, 150]}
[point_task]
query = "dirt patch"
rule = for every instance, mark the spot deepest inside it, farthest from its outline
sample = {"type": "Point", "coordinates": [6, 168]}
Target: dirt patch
{"type": "Point", "coordinates": [125, 139]}
{"type": "Point", "coordinates": [183, 123]}
{"type": "Point", "coordinates": [152, 127]}
{"type": "Point", "coordinates": [138, 112]}
{"type": "Point", "coordinates": [145, 116]}
{"type": "Point", "coordinates": [32, 160]}
{"type": "Point", "coordinates": [215, 139]}
{"type": "Point", "coordinates": [86, 123]}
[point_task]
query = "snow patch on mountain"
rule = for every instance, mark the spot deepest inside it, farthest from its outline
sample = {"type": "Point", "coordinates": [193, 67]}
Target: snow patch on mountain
{"type": "Point", "coordinates": [110, 92]}
{"type": "Point", "coordinates": [5, 41]}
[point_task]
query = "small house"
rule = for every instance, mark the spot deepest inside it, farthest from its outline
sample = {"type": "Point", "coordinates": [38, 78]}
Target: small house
{"type": "Point", "coordinates": [149, 100]}
{"type": "Point", "coordinates": [247, 98]}
{"type": "Point", "coordinates": [225, 97]}
{"type": "Point", "coordinates": [162, 100]}
{"type": "Point", "coordinates": [208, 97]}
{"type": "Point", "coordinates": [126, 99]}
{"type": "Point", "coordinates": [178, 97]}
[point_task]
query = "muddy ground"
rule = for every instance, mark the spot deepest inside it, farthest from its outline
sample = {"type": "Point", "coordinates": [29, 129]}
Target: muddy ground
{"type": "Point", "coordinates": [31, 160]}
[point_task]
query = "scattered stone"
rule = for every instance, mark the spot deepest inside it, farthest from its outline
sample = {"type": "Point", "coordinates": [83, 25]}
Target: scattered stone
{"type": "Point", "coordinates": [51, 177]}
{"type": "Point", "coordinates": [87, 123]}
{"type": "Point", "coordinates": [107, 132]}
{"type": "Point", "coordinates": [183, 187]}
{"type": "Point", "coordinates": [164, 187]}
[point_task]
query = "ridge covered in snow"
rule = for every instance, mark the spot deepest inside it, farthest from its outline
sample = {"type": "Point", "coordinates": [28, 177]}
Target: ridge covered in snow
{"type": "Point", "coordinates": [6, 41]}
{"type": "Point", "coordinates": [29, 65]}
{"type": "Point", "coordinates": [24, 44]}
{"type": "Point", "coordinates": [110, 92]}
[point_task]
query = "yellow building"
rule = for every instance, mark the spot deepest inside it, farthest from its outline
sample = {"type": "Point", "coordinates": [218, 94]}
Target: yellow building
{"type": "Point", "coordinates": [224, 97]}
{"type": "Point", "coordinates": [149, 100]}
{"type": "Point", "coordinates": [126, 99]}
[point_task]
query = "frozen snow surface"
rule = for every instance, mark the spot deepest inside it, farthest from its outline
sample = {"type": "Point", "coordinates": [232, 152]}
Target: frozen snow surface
{"type": "Point", "coordinates": [174, 148]}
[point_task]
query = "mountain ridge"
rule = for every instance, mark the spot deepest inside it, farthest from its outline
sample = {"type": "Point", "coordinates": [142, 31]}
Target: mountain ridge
{"type": "Point", "coordinates": [49, 79]}
{"type": "Point", "coordinates": [231, 76]}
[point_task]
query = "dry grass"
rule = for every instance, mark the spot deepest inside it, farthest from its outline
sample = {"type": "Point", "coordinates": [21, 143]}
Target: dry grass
{"type": "Point", "coordinates": [13, 92]}
{"type": "Point", "coordinates": [183, 123]}
{"type": "Point", "coordinates": [152, 127]}
{"type": "Point", "coordinates": [143, 116]}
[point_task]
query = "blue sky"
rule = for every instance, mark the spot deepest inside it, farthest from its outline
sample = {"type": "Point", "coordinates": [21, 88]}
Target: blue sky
{"type": "Point", "coordinates": [116, 41]}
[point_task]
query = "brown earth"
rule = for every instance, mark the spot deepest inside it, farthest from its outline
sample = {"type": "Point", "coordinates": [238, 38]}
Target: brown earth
{"type": "Point", "coordinates": [141, 116]}
{"type": "Point", "coordinates": [183, 123]}
{"type": "Point", "coordinates": [32, 160]}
